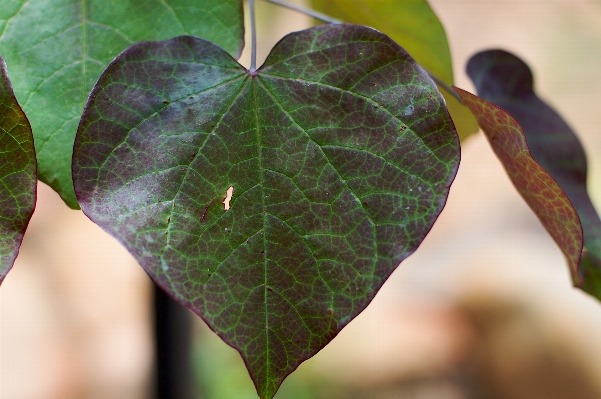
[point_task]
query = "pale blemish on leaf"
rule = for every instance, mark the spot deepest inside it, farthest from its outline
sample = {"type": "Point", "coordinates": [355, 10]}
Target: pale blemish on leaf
{"type": "Point", "coordinates": [164, 264]}
{"type": "Point", "coordinates": [228, 197]}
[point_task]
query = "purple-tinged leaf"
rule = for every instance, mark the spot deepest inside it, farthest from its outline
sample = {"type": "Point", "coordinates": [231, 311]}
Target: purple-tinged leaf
{"type": "Point", "coordinates": [17, 174]}
{"type": "Point", "coordinates": [59, 48]}
{"type": "Point", "coordinates": [535, 185]}
{"type": "Point", "coordinates": [505, 80]}
{"type": "Point", "coordinates": [414, 25]}
{"type": "Point", "coordinates": [335, 159]}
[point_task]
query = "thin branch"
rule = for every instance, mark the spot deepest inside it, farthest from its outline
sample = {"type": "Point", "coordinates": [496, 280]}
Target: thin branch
{"type": "Point", "coordinates": [446, 87]}
{"type": "Point", "coordinates": [253, 28]}
{"type": "Point", "coordinates": [330, 20]}
{"type": "Point", "coordinates": [312, 13]}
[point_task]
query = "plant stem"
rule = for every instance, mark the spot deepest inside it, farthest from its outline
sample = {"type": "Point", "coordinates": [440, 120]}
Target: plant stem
{"type": "Point", "coordinates": [446, 87]}
{"type": "Point", "coordinates": [317, 15]}
{"type": "Point", "coordinates": [173, 374]}
{"type": "Point", "coordinates": [253, 32]}
{"type": "Point", "coordinates": [330, 20]}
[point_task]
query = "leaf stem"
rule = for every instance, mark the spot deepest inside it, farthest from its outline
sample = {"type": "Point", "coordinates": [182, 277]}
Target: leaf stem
{"type": "Point", "coordinates": [312, 13]}
{"type": "Point", "coordinates": [445, 86]}
{"type": "Point", "coordinates": [330, 20]}
{"type": "Point", "coordinates": [253, 30]}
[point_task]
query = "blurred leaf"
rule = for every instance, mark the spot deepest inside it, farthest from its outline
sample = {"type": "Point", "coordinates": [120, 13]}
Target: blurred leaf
{"type": "Point", "coordinates": [59, 48]}
{"type": "Point", "coordinates": [505, 80]}
{"type": "Point", "coordinates": [339, 152]}
{"type": "Point", "coordinates": [410, 23]}
{"type": "Point", "coordinates": [415, 26]}
{"type": "Point", "coordinates": [464, 120]}
{"type": "Point", "coordinates": [535, 185]}
{"type": "Point", "coordinates": [17, 174]}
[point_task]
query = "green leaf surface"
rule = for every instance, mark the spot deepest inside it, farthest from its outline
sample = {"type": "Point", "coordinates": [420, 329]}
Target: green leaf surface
{"type": "Point", "coordinates": [544, 196]}
{"type": "Point", "coordinates": [17, 174]}
{"type": "Point", "coordinates": [414, 25]}
{"type": "Point", "coordinates": [505, 80]}
{"type": "Point", "coordinates": [334, 158]}
{"type": "Point", "coordinates": [58, 49]}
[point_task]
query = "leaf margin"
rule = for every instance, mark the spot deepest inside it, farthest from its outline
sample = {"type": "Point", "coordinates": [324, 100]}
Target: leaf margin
{"type": "Point", "coordinates": [16, 228]}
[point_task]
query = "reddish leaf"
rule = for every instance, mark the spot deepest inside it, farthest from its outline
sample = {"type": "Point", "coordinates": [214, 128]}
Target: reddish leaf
{"type": "Point", "coordinates": [505, 80]}
{"type": "Point", "coordinates": [536, 186]}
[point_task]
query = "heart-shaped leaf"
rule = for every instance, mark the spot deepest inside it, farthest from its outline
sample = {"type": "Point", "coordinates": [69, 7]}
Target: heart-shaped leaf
{"type": "Point", "coordinates": [414, 25]}
{"type": "Point", "coordinates": [505, 80]}
{"type": "Point", "coordinates": [273, 204]}
{"type": "Point", "coordinates": [17, 174]}
{"type": "Point", "coordinates": [57, 49]}
{"type": "Point", "coordinates": [535, 185]}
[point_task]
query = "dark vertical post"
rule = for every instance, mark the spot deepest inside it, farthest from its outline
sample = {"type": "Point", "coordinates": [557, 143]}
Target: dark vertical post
{"type": "Point", "coordinates": [173, 375]}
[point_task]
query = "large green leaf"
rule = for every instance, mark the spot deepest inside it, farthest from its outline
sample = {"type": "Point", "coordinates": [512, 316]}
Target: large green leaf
{"type": "Point", "coordinates": [505, 80]}
{"type": "Point", "coordinates": [58, 49]}
{"type": "Point", "coordinates": [415, 26]}
{"type": "Point", "coordinates": [410, 23]}
{"type": "Point", "coordinates": [544, 196]}
{"type": "Point", "coordinates": [17, 174]}
{"type": "Point", "coordinates": [334, 160]}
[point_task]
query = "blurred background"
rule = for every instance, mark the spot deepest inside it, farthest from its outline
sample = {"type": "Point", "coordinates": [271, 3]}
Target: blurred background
{"type": "Point", "coordinates": [484, 309]}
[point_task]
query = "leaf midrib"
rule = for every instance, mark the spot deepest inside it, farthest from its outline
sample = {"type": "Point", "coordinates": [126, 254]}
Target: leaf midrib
{"type": "Point", "coordinates": [265, 257]}
{"type": "Point", "coordinates": [357, 197]}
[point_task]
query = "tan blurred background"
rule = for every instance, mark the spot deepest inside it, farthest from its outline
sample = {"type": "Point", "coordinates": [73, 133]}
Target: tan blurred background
{"type": "Point", "coordinates": [484, 309]}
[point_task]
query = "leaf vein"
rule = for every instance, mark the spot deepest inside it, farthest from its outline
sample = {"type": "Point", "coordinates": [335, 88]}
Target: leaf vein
{"type": "Point", "coordinates": [189, 167]}
{"type": "Point", "coordinates": [12, 16]}
{"type": "Point", "coordinates": [373, 225]}
{"type": "Point", "coordinates": [368, 99]}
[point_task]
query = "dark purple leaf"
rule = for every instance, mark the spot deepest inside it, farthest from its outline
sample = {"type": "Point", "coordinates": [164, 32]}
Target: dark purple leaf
{"type": "Point", "coordinates": [273, 204]}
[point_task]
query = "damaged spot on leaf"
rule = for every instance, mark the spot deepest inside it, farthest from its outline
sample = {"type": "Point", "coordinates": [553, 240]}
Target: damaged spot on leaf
{"type": "Point", "coordinates": [228, 198]}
